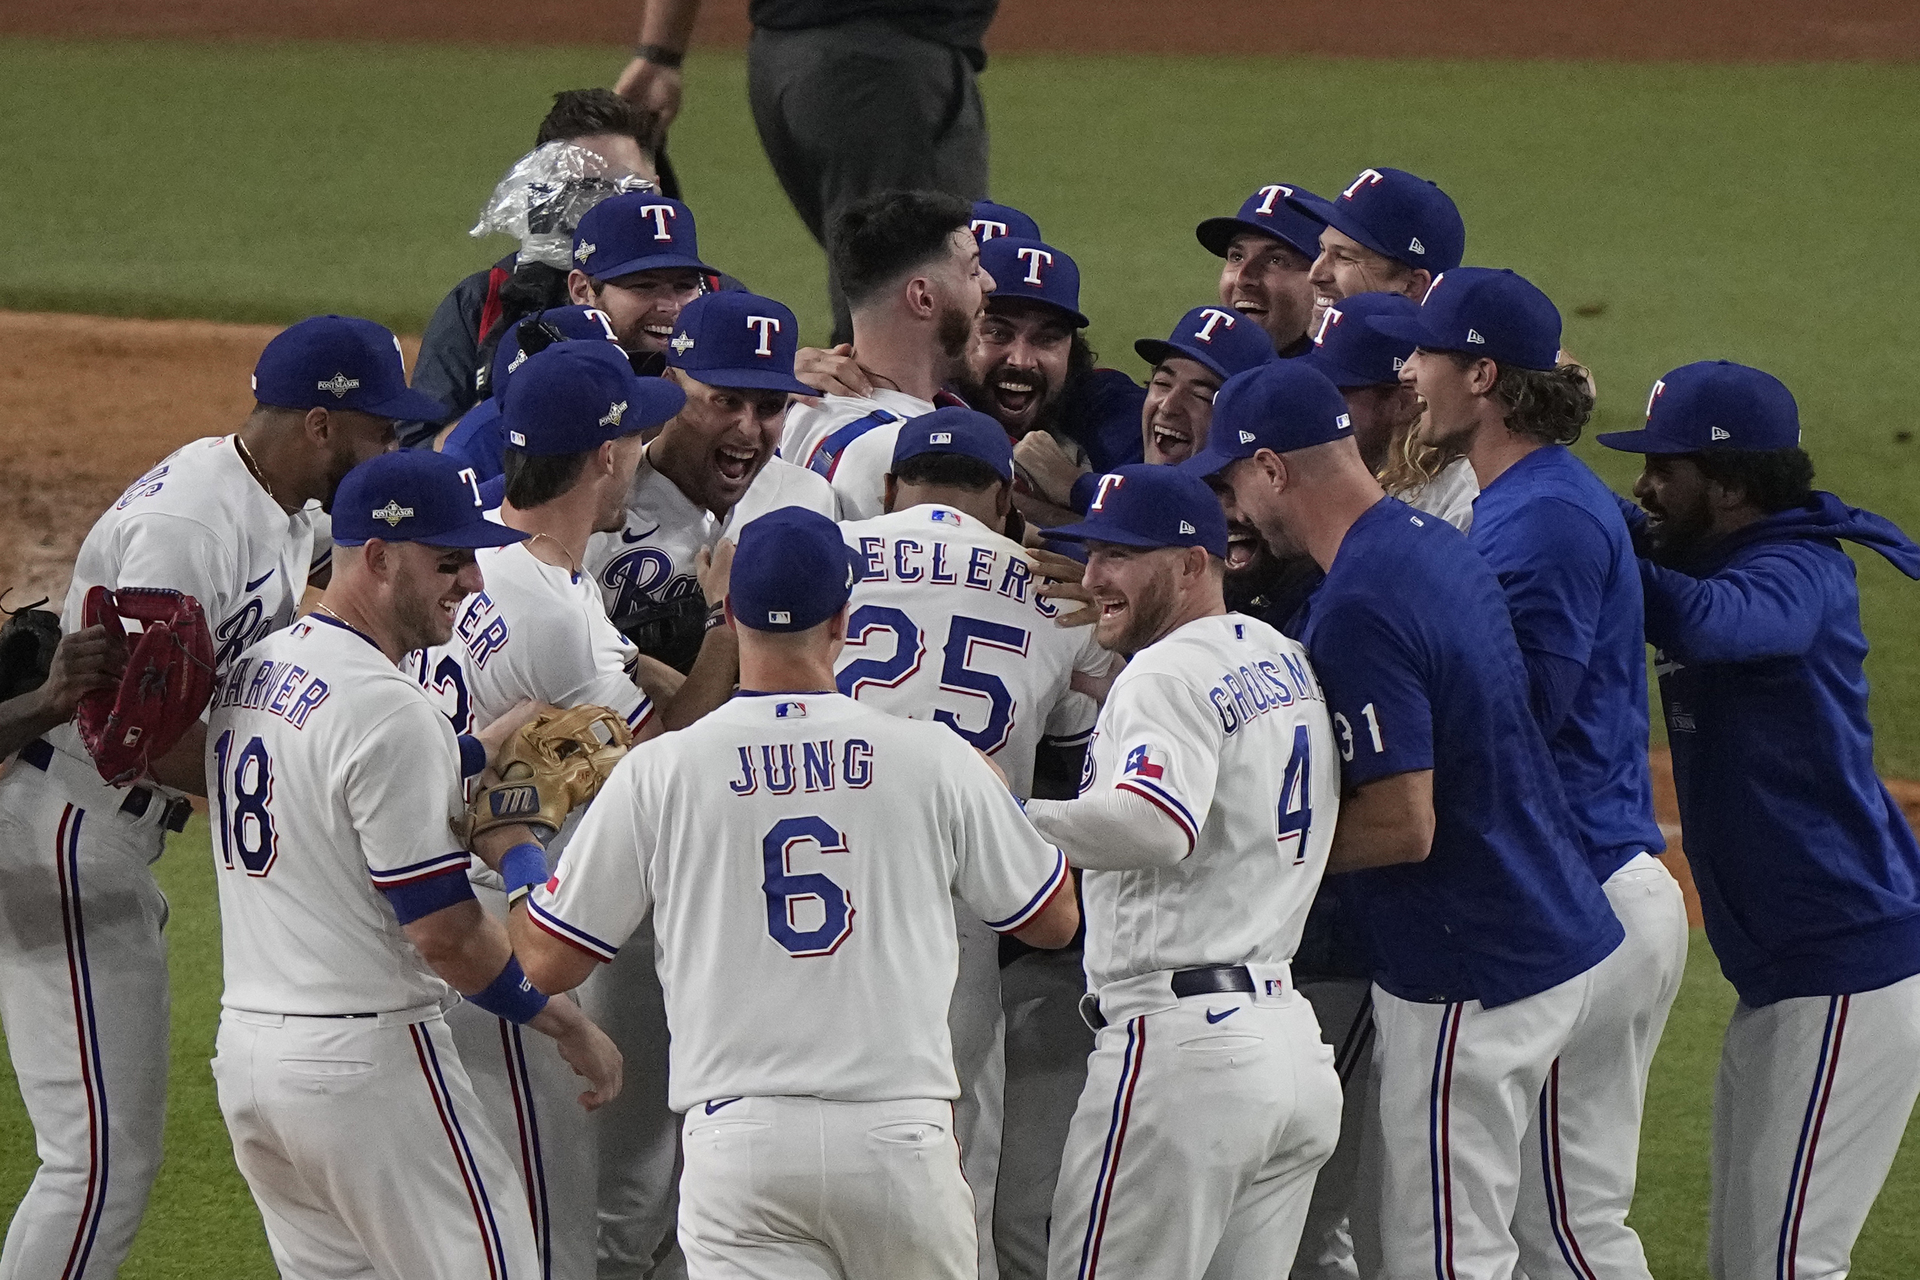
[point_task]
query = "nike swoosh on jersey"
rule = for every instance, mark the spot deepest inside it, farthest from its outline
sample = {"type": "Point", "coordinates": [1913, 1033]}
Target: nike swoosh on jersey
{"type": "Point", "coordinates": [1223, 1015]}
{"type": "Point", "coordinates": [724, 1102]}
{"type": "Point", "coordinates": [642, 537]}
{"type": "Point", "coordinates": [262, 578]}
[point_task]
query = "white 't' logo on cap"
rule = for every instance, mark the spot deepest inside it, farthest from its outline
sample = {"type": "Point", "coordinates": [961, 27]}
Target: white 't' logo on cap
{"type": "Point", "coordinates": [339, 384]}
{"type": "Point", "coordinates": [767, 326]}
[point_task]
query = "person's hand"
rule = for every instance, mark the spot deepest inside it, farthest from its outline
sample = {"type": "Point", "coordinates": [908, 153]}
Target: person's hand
{"type": "Point", "coordinates": [585, 1047]}
{"type": "Point", "coordinates": [1060, 580]}
{"type": "Point", "coordinates": [714, 569]}
{"type": "Point", "coordinates": [831, 372]}
{"type": "Point", "coordinates": [1048, 468]}
{"type": "Point", "coordinates": [508, 723]}
{"type": "Point", "coordinates": [82, 662]}
{"type": "Point", "coordinates": [655, 88]}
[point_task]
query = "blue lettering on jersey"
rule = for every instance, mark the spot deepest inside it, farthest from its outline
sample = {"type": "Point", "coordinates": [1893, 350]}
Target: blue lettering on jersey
{"type": "Point", "coordinates": [284, 689]}
{"type": "Point", "coordinates": [1250, 691]}
{"type": "Point", "coordinates": [773, 766]}
{"type": "Point", "coordinates": [248, 623]}
{"type": "Point", "coordinates": [482, 639]}
{"type": "Point", "coordinates": [641, 577]}
{"type": "Point", "coordinates": [145, 487]}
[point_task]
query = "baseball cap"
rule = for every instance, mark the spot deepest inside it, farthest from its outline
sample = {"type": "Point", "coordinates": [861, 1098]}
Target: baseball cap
{"type": "Point", "coordinates": [1223, 340]}
{"type": "Point", "coordinates": [1397, 215]}
{"type": "Point", "coordinates": [1283, 405]}
{"type": "Point", "coordinates": [791, 570]}
{"type": "Point", "coordinates": [636, 231]}
{"type": "Point", "coordinates": [415, 495]}
{"type": "Point", "coordinates": [1148, 506]}
{"type": "Point", "coordinates": [1483, 311]}
{"type": "Point", "coordinates": [738, 339]}
{"type": "Point", "coordinates": [1351, 352]}
{"type": "Point", "coordinates": [1269, 212]}
{"type": "Point", "coordinates": [576, 396]}
{"type": "Point", "coordinates": [1036, 272]}
{"type": "Point", "coordinates": [341, 362]}
{"type": "Point", "coordinates": [991, 221]}
{"type": "Point", "coordinates": [539, 331]}
{"type": "Point", "coordinates": [955, 429]}
{"type": "Point", "coordinates": [1713, 404]}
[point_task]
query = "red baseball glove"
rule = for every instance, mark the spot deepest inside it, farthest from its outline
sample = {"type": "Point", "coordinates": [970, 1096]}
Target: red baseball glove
{"type": "Point", "coordinates": [168, 680]}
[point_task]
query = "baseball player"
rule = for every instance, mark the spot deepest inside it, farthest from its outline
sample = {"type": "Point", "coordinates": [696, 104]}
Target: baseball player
{"type": "Point", "coordinates": [937, 577]}
{"type": "Point", "coordinates": [805, 937]}
{"type": "Point", "coordinates": [347, 920]}
{"type": "Point", "coordinates": [1268, 250]}
{"type": "Point", "coordinates": [991, 221]}
{"type": "Point", "coordinates": [1210, 1101]}
{"type": "Point", "coordinates": [1485, 365]}
{"type": "Point", "coordinates": [732, 355]}
{"type": "Point", "coordinates": [636, 256]}
{"type": "Point", "coordinates": [1388, 230]}
{"type": "Point", "coordinates": [911, 271]}
{"type": "Point", "coordinates": [476, 439]}
{"type": "Point", "coordinates": [229, 521]}
{"type": "Point", "coordinates": [538, 632]}
{"type": "Point", "coordinates": [1806, 868]}
{"type": "Point", "coordinates": [1486, 925]}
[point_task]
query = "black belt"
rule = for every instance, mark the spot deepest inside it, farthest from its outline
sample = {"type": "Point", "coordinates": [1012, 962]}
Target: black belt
{"type": "Point", "coordinates": [1217, 979]}
{"type": "Point", "coordinates": [39, 754]}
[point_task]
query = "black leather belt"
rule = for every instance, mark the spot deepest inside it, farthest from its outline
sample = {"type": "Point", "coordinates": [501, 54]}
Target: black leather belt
{"type": "Point", "coordinates": [1218, 979]}
{"type": "Point", "coordinates": [39, 754]}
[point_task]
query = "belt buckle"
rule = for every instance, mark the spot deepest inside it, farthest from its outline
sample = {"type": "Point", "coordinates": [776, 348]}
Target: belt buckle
{"type": "Point", "coordinates": [1090, 1012]}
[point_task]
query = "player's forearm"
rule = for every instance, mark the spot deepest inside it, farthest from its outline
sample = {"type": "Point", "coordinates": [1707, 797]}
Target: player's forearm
{"type": "Point", "coordinates": [709, 684]}
{"type": "Point", "coordinates": [1110, 831]}
{"type": "Point", "coordinates": [668, 23]}
{"type": "Point", "coordinates": [26, 717]}
{"type": "Point", "coordinates": [551, 964]}
{"type": "Point", "coordinates": [1383, 823]}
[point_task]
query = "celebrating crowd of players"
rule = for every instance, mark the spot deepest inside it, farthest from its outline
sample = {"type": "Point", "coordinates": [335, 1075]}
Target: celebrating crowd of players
{"type": "Point", "coordinates": [1199, 829]}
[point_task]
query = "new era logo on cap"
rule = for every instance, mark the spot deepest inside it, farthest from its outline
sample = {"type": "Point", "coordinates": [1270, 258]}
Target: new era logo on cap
{"type": "Point", "coordinates": [1473, 335]}
{"type": "Point", "coordinates": [339, 384]}
{"type": "Point", "coordinates": [1186, 527]}
{"type": "Point", "coordinates": [1720, 433]}
{"type": "Point", "coordinates": [1414, 246]}
{"type": "Point", "coordinates": [1246, 437]}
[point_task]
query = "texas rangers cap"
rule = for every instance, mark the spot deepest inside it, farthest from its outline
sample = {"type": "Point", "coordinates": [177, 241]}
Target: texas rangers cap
{"type": "Point", "coordinates": [1148, 506]}
{"type": "Point", "coordinates": [1713, 404]}
{"type": "Point", "coordinates": [736, 339]}
{"type": "Point", "coordinates": [341, 362]}
{"type": "Point", "coordinates": [1351, 352]}
{"type": "Point", "coordinates": [1397, 215]}
{"type": "Point", "coordinates": [415, 495]}
{"type": "Point", "coordinates": [1283, 405]}
{"type": "Point", "coordinates": [539, 331]}
{"type": "Point", "coordinates": [576, 396]}
{"type": "Point", "coordinates": [1222, 340]}
{"type": "Point", "coordinates": [1268, 212]}
{"type": "Point", "coordinates": [791, 570]}
{"type": "Point", "coordinates": [636, 231]}
{"type": "Point", "coordinates": [1035, 272]}
{"type": "Point", "coordinates": [955, 429]}
{"type": "Point", "coordinates": [1481, 311]}
{"type": "Point", "coordinates": [991, 221]}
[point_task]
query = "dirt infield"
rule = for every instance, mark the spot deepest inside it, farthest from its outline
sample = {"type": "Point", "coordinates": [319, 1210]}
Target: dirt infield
{"type": "Point", "coordinates": [1695, 30]}
{"type": "Point", "coordinates": [87, 404]}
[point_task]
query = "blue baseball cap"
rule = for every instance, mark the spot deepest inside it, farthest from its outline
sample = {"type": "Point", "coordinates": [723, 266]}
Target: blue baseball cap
{"type": "Point", "coordinates": [636, 231]}
{"type": "Point", "coordinates": [1483, 311]}
{"type": "Point", "coordinates": [1397, 215]}
{"type": "Point", "coordinates": [738, 339]}
{"type": "Point", "coordinates": [1148, 506]}
{"type": "Point", "coordinates": [1034, 272]}
{"type": "Point", "coordinates": [341, 362]}
{"type": "Point", "coordinates": [1221, 339]}
{"type": "Point", "coordinates": [1283, 405]}
{"type": "Point", "coordinates": [541, 330]}
{"type": "Point", "coordinates": [991, 221]}
{"type": "Point", "coordinates": [791, 570]}
{"type": "Point", "coordinates": [955, 429]}
{"type": "Point", "coordinates": [1350, 351]}
{"type": "Point", "coordinates": [1269, 212]}
{"type": "Point", "coordinates": [1713, 404]}
{"type": "Point", "coordinates": [576, 396]}
{"type": "Point", "coordinates": [415, 495]}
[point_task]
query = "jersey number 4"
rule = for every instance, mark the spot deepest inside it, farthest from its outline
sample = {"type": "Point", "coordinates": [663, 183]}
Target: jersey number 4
{"type": "Point", "coordinates": [794, 902]}
{"type": "Point", "coordinates": [1296, 814]}
{"type": "Point", "coordinates": [244, 786]}
{"type": "Point", "coordinates": [957, 672]}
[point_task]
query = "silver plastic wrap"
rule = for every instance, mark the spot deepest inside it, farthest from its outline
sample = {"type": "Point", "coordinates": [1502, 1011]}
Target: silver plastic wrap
{"type": "Point", "coordinates": [544, 195]}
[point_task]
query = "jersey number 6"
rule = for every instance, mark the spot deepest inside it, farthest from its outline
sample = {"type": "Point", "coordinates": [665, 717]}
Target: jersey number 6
{"type": "Point", "coordinates": [789, 896]}
{"type": "Point", "coordinates": [242, 789]}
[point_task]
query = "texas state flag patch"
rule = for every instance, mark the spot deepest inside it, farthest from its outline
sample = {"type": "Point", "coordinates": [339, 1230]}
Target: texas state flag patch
{"type": "Point", "coordinates": [1140, 764]}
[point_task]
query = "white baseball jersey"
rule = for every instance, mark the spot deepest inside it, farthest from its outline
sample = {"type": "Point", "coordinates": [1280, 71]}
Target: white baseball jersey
{"type": "Point", "coordinates": [332, 777]}
{"type": "Point", "coordinates": [849, 440]}
{"type": "Point", "coordinates": [945, 626]}
{"type": "Point", "coordinates": [781, 484]}
{"type": "Point", "coordinates": [1223, 726]}
{"type": "Point", "coordinates": [1449, 494]}
{"type": "Point", "coordinates": [800, 854]}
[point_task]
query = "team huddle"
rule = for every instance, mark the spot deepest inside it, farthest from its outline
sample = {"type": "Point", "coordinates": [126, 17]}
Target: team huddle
{"type": "Point", "coordinates": [937, 807]}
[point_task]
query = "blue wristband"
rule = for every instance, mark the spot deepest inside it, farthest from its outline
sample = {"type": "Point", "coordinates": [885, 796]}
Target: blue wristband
{"type": "Point", "coordinates": [473, 755]}
{"type": "Point", "coordinates": [510, 995]}
{"type": "Point", "coordinates": [523, 867]}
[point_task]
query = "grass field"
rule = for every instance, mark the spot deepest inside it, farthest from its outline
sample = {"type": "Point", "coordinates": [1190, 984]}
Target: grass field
{"type": "Point", "coordinates": [203, 1225]}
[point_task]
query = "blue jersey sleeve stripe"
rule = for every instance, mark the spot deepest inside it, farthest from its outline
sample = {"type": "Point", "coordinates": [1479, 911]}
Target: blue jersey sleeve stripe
{"type": "Point", "coordinates": [417, 899]}
{"type": "Point", "coordinates": [458, 860]}
{"type": "Point", "coordinates": [568, 933]}
{"type": "Point", "coordinates": [638, 717]}
{"type": "Point", "coordinates": [1167, 805]}
{"type": "Point", "coordinates": [826, 455]}
{"type": "Point", "coordinates": [1039, 900]}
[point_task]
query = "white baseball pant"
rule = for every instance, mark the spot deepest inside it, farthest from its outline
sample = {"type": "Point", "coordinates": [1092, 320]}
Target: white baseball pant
{"type": "Point", "coordinates": [1812, 1099]}
{"type": "Point", "coordinates": [1047, 1044]}
{"type": "Point", "coordinates": [1344, 1009]}
{"type": "Point", "coordinates": [1457, 1086]}
{"type": "Point", "coordinates": [805, 1189]}
{"type": "Point", "coordinates": [978, 1029]}
{"type": "Point", "coordinates": [84, 1003]}
{"type": "Point", "coordinates": [367, 1151]}
{"type": "Point", "coordinates": [1582, 1153]}
{"type": "Point", "coordinates": [1193, 1151]}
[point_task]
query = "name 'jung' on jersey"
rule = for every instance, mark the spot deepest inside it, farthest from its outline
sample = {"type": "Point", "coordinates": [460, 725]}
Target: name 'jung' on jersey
{"type": "Point", "coordinates": [781, 768]}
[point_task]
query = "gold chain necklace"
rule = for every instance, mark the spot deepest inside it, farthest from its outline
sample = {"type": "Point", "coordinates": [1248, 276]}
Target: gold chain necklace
{"type": "Point", "coordinates": [573, 561]}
